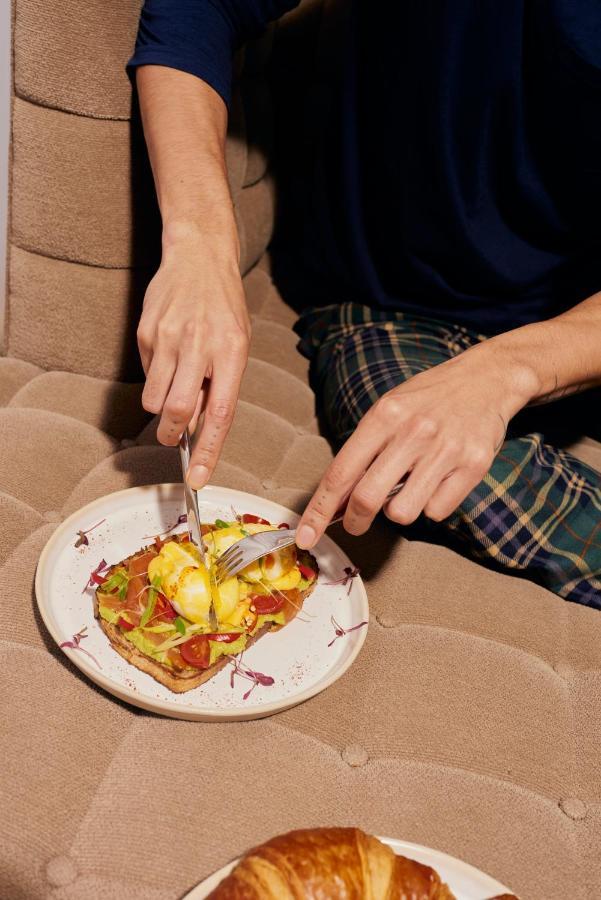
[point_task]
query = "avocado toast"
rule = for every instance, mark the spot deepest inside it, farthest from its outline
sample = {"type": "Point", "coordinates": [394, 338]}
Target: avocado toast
{"type": "Point", "coordinates": [154, 605]}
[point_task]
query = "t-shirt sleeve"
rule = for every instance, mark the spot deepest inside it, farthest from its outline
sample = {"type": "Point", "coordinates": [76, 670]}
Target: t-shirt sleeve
{"type": "Point", "coordinates": [200, 36]}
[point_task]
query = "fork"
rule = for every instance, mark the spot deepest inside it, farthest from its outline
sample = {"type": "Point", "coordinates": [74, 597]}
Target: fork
{"type": "Point", "coordinates": [249, 549]}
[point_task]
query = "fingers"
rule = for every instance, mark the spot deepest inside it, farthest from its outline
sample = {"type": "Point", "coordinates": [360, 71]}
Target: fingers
{"type": "Point", "coordinates": [451, 493]}
{"type": "Point", "coordinates": [144, 337]}
{"type": "Point", "coordinates": [338, 481]}
{"type": "Point", "coordinates": [158, 379]}
{"type": "Point", "coordinates": [147, 329]}
{"type": "Point", "coordinates": [200, 405]}
{"type": "Point", "coordinates": [370, 492]}
{"type": "Point", "coordinates": [183, 397]}
{"type": "Point", "coordinates": [424, 480]}
{"type": "Point", "coordinates": [437, 488]}
{"type": "Point", "coordinates": [219, 412]}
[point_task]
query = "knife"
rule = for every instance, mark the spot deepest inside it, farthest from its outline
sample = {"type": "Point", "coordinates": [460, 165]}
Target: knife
{"type": "Point", "coordinates": [194, 520]}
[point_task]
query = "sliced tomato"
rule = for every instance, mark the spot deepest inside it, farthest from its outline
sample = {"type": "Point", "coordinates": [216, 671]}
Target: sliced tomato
{"type": "Point", "coordinates": [175, 658]}
{"type": "Point", "coordinates": [307, 573]}
{"type": "Point", "coordinates": [163, 609]}
{"type": "Point", "coordinates": [124, 624]}
{"type": "Point", "coordinates": [197, 652]}
{"type": "Point", "coordinates": [267, 603]}
{"type": "Point", "coordinates": [249, 519]}
{"type": "Point", "coordinates": [225, 637]}
{"type": "Point", "coordinates": [283, 525]}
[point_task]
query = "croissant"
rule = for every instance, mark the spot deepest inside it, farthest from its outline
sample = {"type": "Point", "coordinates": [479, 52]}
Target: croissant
{"type": "Point", "coordinates": [329, 864]}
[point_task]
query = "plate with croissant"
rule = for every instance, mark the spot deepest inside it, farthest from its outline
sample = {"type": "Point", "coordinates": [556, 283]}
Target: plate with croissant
{"type": "Point", "coordinates": [347, 864]}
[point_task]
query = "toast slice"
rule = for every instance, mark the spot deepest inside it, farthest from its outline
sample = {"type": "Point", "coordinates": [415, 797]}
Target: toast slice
{"type": "Point", "coordinates": [182, 677]}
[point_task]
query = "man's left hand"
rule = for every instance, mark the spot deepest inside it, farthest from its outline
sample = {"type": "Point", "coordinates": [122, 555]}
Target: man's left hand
{"type": "Point", "coordinates": [441, 429]}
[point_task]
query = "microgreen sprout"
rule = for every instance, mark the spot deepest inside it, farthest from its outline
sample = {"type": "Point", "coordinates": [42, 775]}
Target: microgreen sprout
{"type": "Point", "coordinates": [347, 578]}
{"type": "Point", "coordinates": [75, 642]}
{"type": "Point", "coordinates": [95, 577]}
{"type": "Point", "coordinates": [220, 523]}
{"type": "Point", "coordinates": [250, 675]}
{"type": "Point", "coordinates": [82, 540]}
{"type": "Point", "coordinates": [339, 631]}
{"type": "Point", "coordinates": [181, 521]}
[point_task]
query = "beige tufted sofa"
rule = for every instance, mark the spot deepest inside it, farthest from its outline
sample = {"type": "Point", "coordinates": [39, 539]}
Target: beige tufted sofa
{"type": "Point", "coordinates": [471, 721]}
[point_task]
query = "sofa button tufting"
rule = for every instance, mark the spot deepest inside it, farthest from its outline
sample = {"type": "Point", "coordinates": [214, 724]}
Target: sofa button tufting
{"type": "Point", "coordinates": [52, 516]}
{"type": "Point", "coordinates": [126, 443]}
{"type": "Point", "coordinates": [573, 808]}
{"type": "Point", "coordinates": [355, 755]}
{"type": "Point", "coordinates": [61, 871]}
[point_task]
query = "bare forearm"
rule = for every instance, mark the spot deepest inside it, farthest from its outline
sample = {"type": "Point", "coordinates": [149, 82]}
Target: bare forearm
{"type": "Point", "coordinates": [194, 329]}
{"type": "Point", "coordinates": [185, 124]}
{"type": "Point", "coordinates": [553, 358]}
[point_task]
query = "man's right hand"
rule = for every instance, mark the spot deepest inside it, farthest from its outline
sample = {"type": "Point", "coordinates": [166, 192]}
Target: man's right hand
{"type": "Point", "coordinates": [193, 338]}
{"type": "Point", "coordinates": [194, 330]}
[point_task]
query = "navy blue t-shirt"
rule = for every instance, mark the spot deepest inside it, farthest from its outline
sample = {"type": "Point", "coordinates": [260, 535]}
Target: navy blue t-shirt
{"type": "Point", "coordinates": [460, 170]}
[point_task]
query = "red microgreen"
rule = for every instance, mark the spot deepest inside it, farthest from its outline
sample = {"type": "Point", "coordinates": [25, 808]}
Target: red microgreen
{"type": "Point", "coordinates": [340, 631]}
{"type": "Point", "coordinates": [250, 675]}
{"type": "Point", "coordinates": [347, 578]}
{"type": "Point", "coordinates": [82, 540]}
{"type": "Point", "coordinates": [181, 521]}
{"type": "Point", "coordinates": [74, 644]}
{"type": "Point", "coordinates": [95, 576]}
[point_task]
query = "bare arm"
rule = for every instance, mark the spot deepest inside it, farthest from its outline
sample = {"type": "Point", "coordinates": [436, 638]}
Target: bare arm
{"type": "Point", "coordinates": [563, 353]}
{"type": "Point", "coordinates": [194, 330]}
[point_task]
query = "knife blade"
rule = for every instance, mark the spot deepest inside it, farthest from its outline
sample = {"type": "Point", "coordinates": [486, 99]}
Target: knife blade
{"type": "Point", "coordinates": [194, 519]}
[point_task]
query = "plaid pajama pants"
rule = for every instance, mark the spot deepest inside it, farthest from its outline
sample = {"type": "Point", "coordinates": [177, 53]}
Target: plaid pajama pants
{"type": "Point", "coordinates": [537, 511]}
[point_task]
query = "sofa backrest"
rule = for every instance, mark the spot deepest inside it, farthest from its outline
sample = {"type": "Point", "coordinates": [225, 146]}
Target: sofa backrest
{"type": "Point", "coordinates": [83, 234]}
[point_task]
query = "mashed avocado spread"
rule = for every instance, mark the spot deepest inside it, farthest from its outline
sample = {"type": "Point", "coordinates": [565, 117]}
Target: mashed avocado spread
{"type": "Point", "coordinates": [218, 648]}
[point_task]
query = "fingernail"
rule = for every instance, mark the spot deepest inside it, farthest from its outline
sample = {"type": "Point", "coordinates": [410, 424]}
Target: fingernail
{"type": "Point", "coordinates": [198, 477]}
{"type": "Point", "coordinates": [305, 537]}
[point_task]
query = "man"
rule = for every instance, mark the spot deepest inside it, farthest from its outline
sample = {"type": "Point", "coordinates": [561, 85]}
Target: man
{"type": "Point", "coordinates": [456, 220]}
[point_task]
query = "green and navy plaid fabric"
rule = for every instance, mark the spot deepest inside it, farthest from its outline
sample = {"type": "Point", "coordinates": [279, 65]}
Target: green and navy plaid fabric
{"type": "Point", "coordinates": [538, 510]}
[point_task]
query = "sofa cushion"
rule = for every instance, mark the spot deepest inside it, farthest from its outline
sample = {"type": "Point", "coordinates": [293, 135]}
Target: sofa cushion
{"type": "Point", "coordinates": [469, 721]}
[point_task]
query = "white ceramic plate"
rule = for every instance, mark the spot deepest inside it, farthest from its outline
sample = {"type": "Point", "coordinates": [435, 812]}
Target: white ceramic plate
{"type": "Point", "coordinates": [297, 657]}
{"type": "Point", "coordinates": [466, 882]}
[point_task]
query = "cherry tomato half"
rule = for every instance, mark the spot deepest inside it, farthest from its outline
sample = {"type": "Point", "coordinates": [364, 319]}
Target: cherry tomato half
{"type": "Point", "coordinates": [267, 603]}
{"type": "Point", "coordinates": [248, 518]}
{"type": "Point", "coordinates": [164, 608]}
{"type": "Point", "coordinates": [197, 652]}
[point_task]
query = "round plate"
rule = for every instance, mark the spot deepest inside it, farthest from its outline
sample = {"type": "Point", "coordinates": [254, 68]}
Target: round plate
{"type": "Point", "coordinates": [297, 657]}
{"type": "Point", "coordinates": [466, 882]}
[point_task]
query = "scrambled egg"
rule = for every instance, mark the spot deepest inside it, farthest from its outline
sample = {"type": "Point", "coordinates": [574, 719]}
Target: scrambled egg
{"type": "Point", "coordinates": [186, 583]}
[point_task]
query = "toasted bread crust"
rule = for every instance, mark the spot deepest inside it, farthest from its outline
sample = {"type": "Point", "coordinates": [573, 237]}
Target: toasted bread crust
{"type": "Point", "coordinates": [177, 681]}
